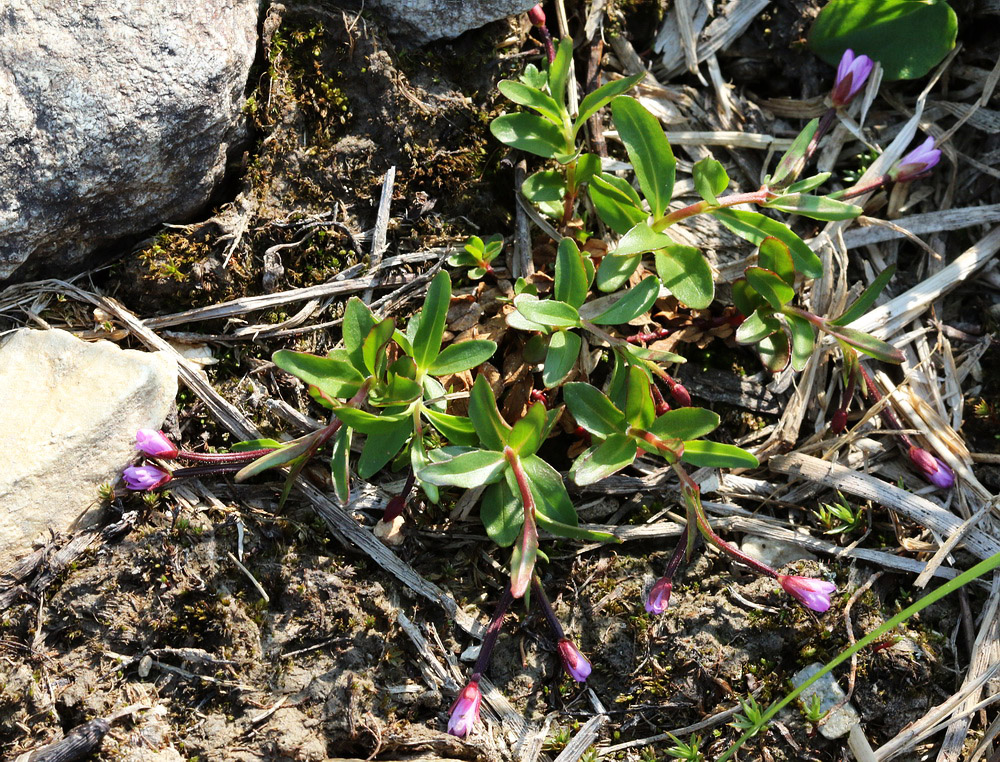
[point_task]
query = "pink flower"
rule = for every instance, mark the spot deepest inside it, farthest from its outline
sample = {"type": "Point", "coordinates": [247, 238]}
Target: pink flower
{"type": "Point", "coordinates": [145, 478]}
{"type": "Point", "coordinates": [851, 76]}
{"type": "Point", "coordinates": [465, 710]}
{"type": "Point", "coordinates": [812, 593]}
{"type": "Point", "coordinates": [575, 663]}
{"type": "Point", "coordinates": [916, 163]}
{"type": "Point", "coordinates": [155, 444]}
{"type": "Point", "coordinates": [537, 16]}
{"type": "Point", "coordinates": [659, 596]}
{"type": "Point", "coordinates": [934, 469]}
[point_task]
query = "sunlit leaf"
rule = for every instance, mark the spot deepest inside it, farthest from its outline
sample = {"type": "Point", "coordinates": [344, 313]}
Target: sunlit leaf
{"type": "Point", "coordinates": [686, 274]}
{"type": "Point", "coordinates": [648, 150]}
{"type": "Point", "coordinates": [699, 452]}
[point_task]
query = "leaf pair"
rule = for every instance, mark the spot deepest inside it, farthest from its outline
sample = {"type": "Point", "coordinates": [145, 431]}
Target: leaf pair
{"type": "Point", "coordinates": [477, 255]}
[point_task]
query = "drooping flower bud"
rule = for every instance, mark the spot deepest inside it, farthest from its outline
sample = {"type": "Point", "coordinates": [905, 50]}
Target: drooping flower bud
{"type": "Point", "coordinates": [681, 395]}
{"type": "Point", "coordinates": [659, 596]}
{"type": "Point", "coordinates": [916, 163]}
{"type": "Point", "coordinates": [810, 592]}
{"type": "Point", "coordinates": [465, 710]}
{"type": "Point", "coordinates": [933, 469]}
{"type": "Point", "coordinates": [155, 444]}
{"type": "Point", "coordinates": [575, 663]}
{"type": "Point", "coordinates": [851, 76]}
{"type": "Point", "coordinates": [839, 421]}
{"type": "Point", "coordinates": [145, 478]}
{"type": "Point", "coordinates": [537, 16]}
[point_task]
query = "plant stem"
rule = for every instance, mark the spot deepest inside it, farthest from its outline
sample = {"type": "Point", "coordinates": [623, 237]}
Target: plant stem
{"type": "Point", "coordinates": [761, 196]}
{"type": "Point", "coordinates": [546, 606]}
{"type": "Point", "coordinates": [492, 633]}
{"type": "Point", "coordinates": [886, 413]}
{"type": "Point", "coordinates": [225, 457]}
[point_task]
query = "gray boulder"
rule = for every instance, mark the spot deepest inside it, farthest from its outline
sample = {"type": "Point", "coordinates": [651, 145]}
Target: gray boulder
{"type": "Point", "coordinates": [114, 118]}
{"type": "Point", "coordinates": [68, 421]}
{"type": "Point", "coordinates": [427, 20]}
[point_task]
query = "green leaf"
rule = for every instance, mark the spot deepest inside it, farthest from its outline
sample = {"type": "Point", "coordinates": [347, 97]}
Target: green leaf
{"type": "Point", "coordinates": [493, 431]}
{"type": "Point", "coordinates": [382, 447]}
{"type": "Point", "coordinates": [547, 185]}
{"type": "Point", "coordinates": [641, 239]}
{"type": "Point", "coordinates": [369, 423]}
{"type": "Point", "coordinates": [335, 378]}
{"type": "Point", "coordinates": [775, 256]}
{"type": "Point", "coordinates": [755, 227]}
{"type": "Point", "coordinates": [519, 322]}
{"type": "Point", "coordinates": [573, 532]}
{"type": "Point", "coordinates": [639, 409]}
{"type": "Point", "coordinates": [455, 428]}
{"type": "Point", "coordinates": [593, 410]}
{"type": "Point", "coordinates": [358, 323]}
{"type": "Point", "coordinates": [686, 274]}
{"type": "Point", "coordinates": [815, 207]}
{"type": "Point", "coordinates": [794, 160]}
{"type": "Point", "coordinates": [868, 344]}
{"type": "Point", "coordinates": [564, 349]}
{"type": "Point", "coordinates": [501, 514]}
{"type": "Point", "coordinates": [601, 97]}
{"type": "Point", "coordinates": [571, 276]}
{"type": "Point", "coordinates": [699, 452]}
{"type": "Point", "coordinates": [433, 315]}
{"type": "Point", "coordinates": [255, 444]}
{"type": "Point", "coordinates": [867, 298]}
{"type": "Point", "coordinates": [756, 327]}
{"type": "Point", "coordinates": [549, 488]}
{"type": "Point", "coordinates": [587, 167]}
{"type": "Point", "coordinates": [616, 202]}
{"type": "Point", "coordinates": [907, 37]}
{"type": "Point", "coordinates": [548, 312]}
{"type": "Point", "coordinates": [710, 179]}
{"type": "Point", "coordinates": [527, 434]}
{"type": "Point", "coordinates": [745, 298]}
{"type": "Point", "coordinates": [770, 285]}
{"type": "Point", "coordinates": [603, 460]}
{"type": "Point", "coordinates": [371, 350]}
{"type": "Point", "coordinates": [462, 356]}
{"type": "Point", "coordinates": [653, 355]}
{"type": "Point", "coordinates": [809, 183]}
{"type": "Point", "coordinates": [774, 351]}
{"type": "Point", "coordinates": [471, 469]}
{"type": "Point", "coordinates": [803, 340]}
{"type": "Point", "coordinates": [528, 132]}
{"type": "Point", "coordinates": [533, 98]}
{"type": "Point", "coordinates": [418, 460]}
{"type": "Point", "coordinates": [648, 149]}
{"type": "Point", "coordinates": [559, 69]}
{"type": "Point", "coordinates": [340, 472]}
{"type": "Point", "coordinates": [615, 270]}
{"type": "Point", "coordinates": [685, 423]}
{"type": "Point", "coordinates": [289, 452]}
{"type": "Point", "coordinates": [634, 302]}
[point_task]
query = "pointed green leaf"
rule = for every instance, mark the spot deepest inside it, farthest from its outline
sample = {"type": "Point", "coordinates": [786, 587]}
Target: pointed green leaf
{"type": "Point", "coordinates": [588, 165]}
{"type": "Point", "coordinates": [471, 469]}
{"type": "Point", "coordinates": [335, 378]}
{"type": "Point", "coordinates": [770, 285]}
{"type": "Point", "coordinates": [528, 132]}
{"type": "Point", "coordinates": [794, 160]}
{"type": "Point", "coordinates": [648, 149]}
{"type": "Point", "coordinates": [755, 227]}
{"type": "Point", "coordinates": [522, 558]}
{"type": "Point", "coordinates": [358, 323]}
{"type": "Point", "coordinates": [867, 298]}
{"type": "Point", "coordinates": [756, 327]}
{"type": "Point", "coordinates": [685, 423]}
{"type": "Point", "coordinates": [633, 303]}
{"type": "Point", "coordinates": [382, 447]}
{"type": "Point", "coordinates": [547, 311]}
{"type": "Point", "coordinates": [593, 410]}
{"type": "Point", "coordinates": [809, 183]}
{"type": "Point", "coordinates": [639, 409]}
{"type": "Point", "coordinates": [427, 339]}
{"type": "Point", "coordinates": [501, 513]}
{"type": "Point", "coordinates": [559, 69]}
{"type": "Point", "coordinates": [571, 275]}
{"type": "Point", "coordinates": [561, 356]}
{"type": "Point", "coordinates": [340, 472]}
{"type": "Point", "coordinates": [372, 349]}
{"type": "Point", "coordinates": [868, 344]}
{"type": "Point", "coordinates": [549, 488]}
{"type": "Point", "coordinates": [456, 428]}
{"type": "Point", "coordinates": [815, 207]}
{"type": "Point", "coordinates": [493, 431]}
{"type": "Point", "coordinates": [710, 179]}
{"type": "Point", "coordinates": [687, 275]}
{"type": "Point", "coordinates": [603, 460]}
{"type": "Point", "coordinates": [462, 356]}
{"type": "Point", "coordinates": [369, 423]}
{"type": "Point", "coordinates": [533, 98]}
{"type": "Point", "coordinates": [616, 202]}
{"type": "Point", "coordinates": [289, 452]}
{"type": "Point", "coordinates": [559, 529]}
{"type": "Point", "coordinates": [699, 452]}
{"type": "Point", "coordinates": [803, 340]}
{"type": "Point", "coordinates": [641, 239]}
{"type": "Point", "coordinates": [601, 97]}
{"type": "Point", "coordinates": [526, 435]}
{"type": "Point", "coordinates": [615, 270]}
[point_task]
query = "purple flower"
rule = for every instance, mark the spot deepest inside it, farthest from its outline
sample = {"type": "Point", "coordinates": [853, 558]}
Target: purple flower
{"type": "Point", "coordinates": [916, 163]}
{"type": "Point", "coordinates": [574, 662]}
{"type": "Point", "coordinates": [934, 469]}
{"type": "Point", "coordinates": [812, 593]}
{"type": "Point", "coordinates": [659, 596]}
{"type": "Point", "coordinates": [145, 478]}
{"type": "Point", "coordinates": [851, 76]}
{"type": "Point", "coordinates": [155, 444]}
{"type": "Point", "coordinates": [465, 710]}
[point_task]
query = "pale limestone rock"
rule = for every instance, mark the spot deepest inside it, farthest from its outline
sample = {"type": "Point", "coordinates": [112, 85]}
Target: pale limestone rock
{"type": "Point", "coordinates": [426, 20]}
{"type": "Point", "coordinates": [69, 413]}
{"type": "Point", "coordinates": [774, 553]}
{"type": "Point", "coordinates": [830, 694]}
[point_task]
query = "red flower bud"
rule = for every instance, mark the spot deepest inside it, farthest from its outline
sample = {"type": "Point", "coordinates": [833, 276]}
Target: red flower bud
{"type": "Point", "coordinates": [537, 16]}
